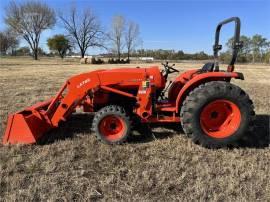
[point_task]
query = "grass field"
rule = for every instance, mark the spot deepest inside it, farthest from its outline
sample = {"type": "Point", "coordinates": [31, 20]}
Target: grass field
{"type": "Point", "coordinates": [73, 165]}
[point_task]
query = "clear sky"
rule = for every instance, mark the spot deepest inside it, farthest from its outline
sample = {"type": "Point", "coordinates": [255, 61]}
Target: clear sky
{"type": "Point", "coordinates": [180, 25]}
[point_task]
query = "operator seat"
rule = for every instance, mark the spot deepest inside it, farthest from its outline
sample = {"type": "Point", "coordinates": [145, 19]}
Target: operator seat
{"type": "Point", "coordinates": [208, 67]}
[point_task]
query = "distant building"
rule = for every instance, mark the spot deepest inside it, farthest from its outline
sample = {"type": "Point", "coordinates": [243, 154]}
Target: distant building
{"type": "Point", "coordinates": [73, 56]}
{"type": "Point", "coordinates": [146, 58]}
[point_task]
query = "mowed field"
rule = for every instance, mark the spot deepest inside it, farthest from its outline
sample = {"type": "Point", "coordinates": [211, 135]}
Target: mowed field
{"type": "Point", "coordinates": [72, 165]}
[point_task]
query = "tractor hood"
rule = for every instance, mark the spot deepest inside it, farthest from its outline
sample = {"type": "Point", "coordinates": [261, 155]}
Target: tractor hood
{"type": "Point", "coordinates": [132, 76]}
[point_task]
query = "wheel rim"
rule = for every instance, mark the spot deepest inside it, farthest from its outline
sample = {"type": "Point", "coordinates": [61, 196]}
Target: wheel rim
{"type": "Point", "coordinates": [112, 127]}
{"type": "Point", "coordinates": [220, 118]}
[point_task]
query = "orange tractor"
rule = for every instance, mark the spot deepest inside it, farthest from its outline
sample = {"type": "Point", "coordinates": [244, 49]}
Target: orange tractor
{"type": "Point", "coordinates": [212, 111]}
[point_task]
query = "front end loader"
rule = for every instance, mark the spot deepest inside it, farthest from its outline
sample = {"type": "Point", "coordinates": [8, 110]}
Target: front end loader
{"type": "Point", "coordinates": [211, 110]}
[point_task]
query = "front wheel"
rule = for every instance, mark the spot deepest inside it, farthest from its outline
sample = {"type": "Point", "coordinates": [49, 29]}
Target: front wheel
{"type": "Point", "coordinates": [217, 114]}
{"type": "Point", "coordinates": [111, 124]}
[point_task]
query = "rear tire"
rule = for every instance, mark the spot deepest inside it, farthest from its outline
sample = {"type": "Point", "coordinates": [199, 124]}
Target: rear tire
{"type": "Point", "coordinates": [217, 114]}
{"type": "Point", "coordinates": [111, 124]}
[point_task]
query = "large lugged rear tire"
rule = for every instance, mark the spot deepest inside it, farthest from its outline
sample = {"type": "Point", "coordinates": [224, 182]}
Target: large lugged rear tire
{"type": "Point", "coordinates": [217, 114]}
{"type": "Point", "coordinates": [111, 124]}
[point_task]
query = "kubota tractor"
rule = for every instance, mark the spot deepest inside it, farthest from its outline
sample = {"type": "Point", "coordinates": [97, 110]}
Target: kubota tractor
{"type": "Point", "coordinates": [212, 111]}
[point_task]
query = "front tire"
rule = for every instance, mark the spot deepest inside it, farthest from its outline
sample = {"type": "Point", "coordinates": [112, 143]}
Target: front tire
{"type": "Point", "coordinates": [111, 124]}
{"type": "Point", "coordinates": [217, 114]}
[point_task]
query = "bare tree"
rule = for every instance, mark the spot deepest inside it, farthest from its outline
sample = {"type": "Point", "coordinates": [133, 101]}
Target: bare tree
{"type": "Point", "coordinates": [117, 34]}
{"type": "Point", "coordinates": [132, 36]}
{"type": "Point", "coordinates": [8, 42]}
{"type": "Point", "coordinates": [28, 20]}
{"type": "Point", "coordinates": [3, 43]}
{"type": "Point", "coordinates": [13, 41]}
{"type": "Point", "coordinates": [84, 28]}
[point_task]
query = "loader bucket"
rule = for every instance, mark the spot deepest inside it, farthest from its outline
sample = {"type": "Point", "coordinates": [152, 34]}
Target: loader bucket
{"type": "Point", "coordinates": [26, 127]}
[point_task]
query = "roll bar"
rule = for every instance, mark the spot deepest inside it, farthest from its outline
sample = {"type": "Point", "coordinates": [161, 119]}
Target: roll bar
{"type": "Point", "coordinates": [237, 44]}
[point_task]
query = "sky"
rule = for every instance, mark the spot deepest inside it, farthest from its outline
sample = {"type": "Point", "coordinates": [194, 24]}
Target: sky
{"type": "Point", "coordinates": [172, 24]}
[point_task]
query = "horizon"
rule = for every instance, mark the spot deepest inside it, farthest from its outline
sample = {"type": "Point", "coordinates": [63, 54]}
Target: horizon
{"type": "Point", "coordinates": [188, 25]}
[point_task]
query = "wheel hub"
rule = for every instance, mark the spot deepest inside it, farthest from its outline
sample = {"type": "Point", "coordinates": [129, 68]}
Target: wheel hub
{"type": "Point", "coordinates": [220, 118]}
{"type": "Point", "coordinates": [112, 127]}
{"type": "Point", "coordinates": [214, 115]}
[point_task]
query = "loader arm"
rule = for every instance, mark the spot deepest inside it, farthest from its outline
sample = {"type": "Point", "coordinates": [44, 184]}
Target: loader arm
{"type": "Point", "coordinates": [76, 88]}
{"type": "Point", "coordinates": [29, 125]}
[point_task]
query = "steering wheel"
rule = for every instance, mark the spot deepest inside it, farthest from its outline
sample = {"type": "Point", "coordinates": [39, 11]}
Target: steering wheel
{"type": "Point", "coordinates": [168, 69]}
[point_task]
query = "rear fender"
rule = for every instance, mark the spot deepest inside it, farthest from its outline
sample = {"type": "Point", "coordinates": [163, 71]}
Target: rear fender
{"type": "Point", "coordinates": [204, 78]}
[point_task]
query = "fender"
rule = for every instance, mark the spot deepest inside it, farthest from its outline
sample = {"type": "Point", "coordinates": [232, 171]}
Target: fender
{"type": "Point", "coordinates": [203, 78]}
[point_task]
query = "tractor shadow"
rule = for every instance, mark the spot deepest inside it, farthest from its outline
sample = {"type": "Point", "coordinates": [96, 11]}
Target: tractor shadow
{"type": "Point", "coordinates": [76, 125]}
{"type": "Point", "coordinates": [80, 124]}
{"type": "Point", "coordinates": [156, 131]}
{"type": "Point", "coordinates": [261, 132]}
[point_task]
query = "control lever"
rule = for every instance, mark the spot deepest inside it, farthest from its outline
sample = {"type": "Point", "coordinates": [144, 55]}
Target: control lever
{"type": "Point", "coordinates": [162, 94]}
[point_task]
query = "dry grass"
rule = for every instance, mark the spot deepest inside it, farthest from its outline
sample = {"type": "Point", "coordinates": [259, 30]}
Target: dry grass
{"type": "Point", "coordinates": [72, 165]}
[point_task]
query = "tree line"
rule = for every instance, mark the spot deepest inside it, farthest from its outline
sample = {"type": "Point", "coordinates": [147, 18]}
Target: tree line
{"type": "Point", "coordinates": [27, 21]}
{"type": "Point", "coordinates": [170, 54]}
{"type": "Point", "coordinates": [255, 49]}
